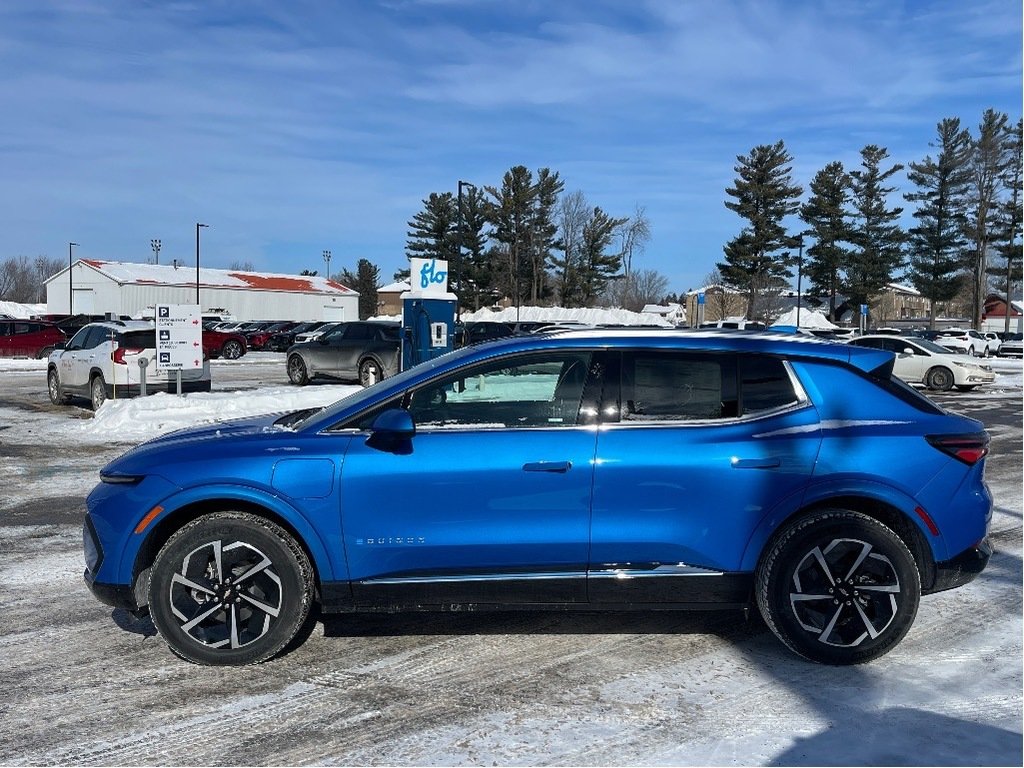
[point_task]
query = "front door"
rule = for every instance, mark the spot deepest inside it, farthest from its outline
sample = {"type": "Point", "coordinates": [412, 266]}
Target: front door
{"type": "Point", "coordinates": [489, 502]}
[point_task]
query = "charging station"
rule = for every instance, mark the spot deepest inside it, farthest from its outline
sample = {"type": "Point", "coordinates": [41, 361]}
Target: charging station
{"type": "Point", "coordinates": [428, 313]}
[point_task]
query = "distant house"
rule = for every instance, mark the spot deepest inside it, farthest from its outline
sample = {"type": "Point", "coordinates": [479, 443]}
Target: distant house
{"type": "Point", "coordinates": [995, 314]}
{"type": "Point", "coordinates": [389, 298]}
{"type": "Point", "coordinates": [132, 289]}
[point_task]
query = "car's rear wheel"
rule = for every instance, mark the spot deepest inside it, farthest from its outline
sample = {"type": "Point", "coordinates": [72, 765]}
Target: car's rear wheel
{"type": "Point", "coordinates": [97, 392]}
{"type": "Point", "coordinates": [231, 350]}
{"type": "Point", "coordinates": [939, 378]}
{"type": "Point", "coordinates": [297, 370]}
{"type": "Point", "coordinates": [838, 587]}
{"type": "Point", "coordinates": [54, 388]}
{"type": "Point", "coordinates": [370, 372]}
{"type": "Point", "coordinates": [970, 351]}
{"type": "Point", "coordinates": [230, 588]}
{"type": "Point", "coordinates": [44, 353]}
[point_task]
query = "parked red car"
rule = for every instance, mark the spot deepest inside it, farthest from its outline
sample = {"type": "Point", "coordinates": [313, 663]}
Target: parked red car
{"type": "Point", "coordinates": [30, 338]}
{"type": "Point", "coordinates": [226, 344]}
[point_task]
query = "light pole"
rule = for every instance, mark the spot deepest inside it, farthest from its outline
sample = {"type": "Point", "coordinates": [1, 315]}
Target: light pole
{"type": "Point", "coordinates": [198, 227]}
{"type": "Point", "coordinates": [458, 256]}
{"type": "Point", "coordinates": [327, 258]}
{"type": "Point", "coordinates": [71, 281]}
{"type": "Point", "coordinates": [155, 245]}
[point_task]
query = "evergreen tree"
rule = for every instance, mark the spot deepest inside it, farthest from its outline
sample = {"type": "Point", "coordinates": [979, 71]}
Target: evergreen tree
{"type": "Point", "coordinates": [367, 280]}
{"type": "Point", "coordinates": [875, 231]}
{"type": "Point", "coordinates": [597, 265]}
{"type": "Point", "coordinates": [1009, 219]}
{"type": "Point", "coordinates": [510, 212]}
{"type": "Point", "coordinates": [937, 242]}
{"type": "Point", "coordinates": [764, 194]}
{"type": "Point", "coordinates": [543, 231]}
{"type": "Point", "coordinates": [825, 213]}
{"type": "Point", "coordinates": [988, 163]}
{"type": "Point", "coordinates": [477, 278]}
{"type": "Point", "coordinates": [431, 233]}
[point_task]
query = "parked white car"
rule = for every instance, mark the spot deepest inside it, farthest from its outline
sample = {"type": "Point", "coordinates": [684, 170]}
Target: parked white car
{"type": "Point", "coordinates": [1012, 347]}
{"type": "Point", "coordinates": [994, 342]}
{"type": "Point", "coordinates": [102, 360]}
{"type": "Point", "coordinates": [919, 361]}
{"type": "Point", "coordinates": [966, 341]}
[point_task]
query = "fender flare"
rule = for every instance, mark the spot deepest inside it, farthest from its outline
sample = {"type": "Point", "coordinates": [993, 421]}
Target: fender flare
{"type": "Point", "coordinates": [821, 494]}
{"type": "Point", "coordinates": [328, 567]}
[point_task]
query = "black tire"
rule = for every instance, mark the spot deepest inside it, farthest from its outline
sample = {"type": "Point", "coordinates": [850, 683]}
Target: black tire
{"type": "Point", "coordinates": [370, 372]}
{"type": "Point", "coordinates": [940, 378]}
{"type": "Point", "coordinates": [207, 618]}
{"type": "Point", "coordinates": [44, 353]}
{"type": "Point", "coordinates": [97, 392]}
{"type": "Point", "coordinates": [232, 350]}
{"type": "Point", "coordinates": [53, 386]}
{"type": "Point", "coordinates": [967, 387]}
{"type": "Point", "coordinates": [838, 587]}
{"type": "Point", "coordinates": [297, 370]}
{"type": "Point", "coordinates": [970, 351]}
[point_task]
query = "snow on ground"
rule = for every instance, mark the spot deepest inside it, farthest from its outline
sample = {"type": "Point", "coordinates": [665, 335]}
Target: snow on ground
{"type": "Point", "coordinates": [14, 309]}
{"type": "Point", "coordinates": [562, 315]}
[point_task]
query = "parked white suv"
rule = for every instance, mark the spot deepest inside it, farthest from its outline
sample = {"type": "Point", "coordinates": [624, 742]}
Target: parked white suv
{"type": "Point", "coordinates": [966, 340]}
{"type": "Point", "coordinates": [102, 360]}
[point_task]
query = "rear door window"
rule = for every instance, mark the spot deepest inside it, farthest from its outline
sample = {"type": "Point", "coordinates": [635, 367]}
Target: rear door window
{"type": "Point", "coordinates": [765, 384]}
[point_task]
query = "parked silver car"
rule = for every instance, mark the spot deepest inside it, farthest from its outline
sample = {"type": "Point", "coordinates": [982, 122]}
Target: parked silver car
{"type": "Point", "coordinates": [364, 351]}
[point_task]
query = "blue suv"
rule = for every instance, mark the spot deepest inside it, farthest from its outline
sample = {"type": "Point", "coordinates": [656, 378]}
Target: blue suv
{"type": "Point", "coordinates": [600, 469]}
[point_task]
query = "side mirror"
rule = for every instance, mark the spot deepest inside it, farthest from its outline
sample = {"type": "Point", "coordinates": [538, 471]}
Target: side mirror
{"type": "Point", "coordinates": [394, 423]}
{"type": "Point", "coordinates": [321, 339]}
{"type": "Point", "coordinates": [908, 351]}
{"type": "Point", "coordinates": [392, 431]}
{"type": "Point", "coordinates": [60, 345]}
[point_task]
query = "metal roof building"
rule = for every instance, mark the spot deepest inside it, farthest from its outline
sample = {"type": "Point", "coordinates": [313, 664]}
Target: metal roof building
{"type": "Point", "coordinates": [133, 289]}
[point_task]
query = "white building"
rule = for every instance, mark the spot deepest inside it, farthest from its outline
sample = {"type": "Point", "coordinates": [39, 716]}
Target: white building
{"type": "Point", "coordinates": [132, 289]}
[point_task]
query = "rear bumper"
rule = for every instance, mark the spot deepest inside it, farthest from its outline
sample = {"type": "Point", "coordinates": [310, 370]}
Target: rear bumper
{"type": "Point", "coordinates": [963, 568]}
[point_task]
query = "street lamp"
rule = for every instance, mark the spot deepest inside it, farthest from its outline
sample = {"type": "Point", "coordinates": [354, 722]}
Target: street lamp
{"type": "Point", "coordinates": [327, 258]}
{"type": "Point", "coordinates": [155, 244]}
{"type": "Point", "coordinates": [71, 281]}
{"type": "Point", "coordinates": [458, 256]}
{"type": "Point", "coordinates": [198, 226]}
{"type": "Point", "coordinates": [799, 278]}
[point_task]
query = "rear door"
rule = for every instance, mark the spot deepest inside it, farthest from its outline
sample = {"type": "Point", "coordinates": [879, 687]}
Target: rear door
{"type": "Point", "coordinates": [698, 449]}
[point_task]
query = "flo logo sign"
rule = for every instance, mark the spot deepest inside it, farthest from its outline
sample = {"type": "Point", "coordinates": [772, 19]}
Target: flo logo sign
{"type": "Point", "coordinates": [429, 276]}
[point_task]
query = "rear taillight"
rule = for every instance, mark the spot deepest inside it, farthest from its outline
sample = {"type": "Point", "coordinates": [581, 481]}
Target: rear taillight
{"type": "Point", "coordinates": [970, 449]}
{"type": "Point", "coordinates": [120, 352]}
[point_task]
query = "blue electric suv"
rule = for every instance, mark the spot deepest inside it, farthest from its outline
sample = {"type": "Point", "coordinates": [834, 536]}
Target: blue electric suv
{"type": "Point", "coordinates": [600, 469]}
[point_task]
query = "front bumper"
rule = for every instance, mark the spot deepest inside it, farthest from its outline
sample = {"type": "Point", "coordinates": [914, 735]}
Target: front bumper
{"type": "Point", "coordinates": [963, 568]}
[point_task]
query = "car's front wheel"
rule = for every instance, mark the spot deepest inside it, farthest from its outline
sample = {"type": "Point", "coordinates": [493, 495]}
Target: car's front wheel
{"type": "Point", "coordinates": [97, 392]}
{"type": "Point", "coordinates": [939, 378]}
{"type": "Point", "coordinates": [370, 372]}
{"type": "Point", "coordinates": [297, 373]}
{"type": "Point", "coordinates": [838, 587]}
{"type": "Point", "coordinates": [232, 350]}
{"type": "Point", "coordinates": [54, 388]}
{"type": "Point", "coordinates": [230, 588]}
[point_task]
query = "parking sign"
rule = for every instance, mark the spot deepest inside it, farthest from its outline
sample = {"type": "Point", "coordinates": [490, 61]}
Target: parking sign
{"type": "Point", "coordinates": [179, 337]}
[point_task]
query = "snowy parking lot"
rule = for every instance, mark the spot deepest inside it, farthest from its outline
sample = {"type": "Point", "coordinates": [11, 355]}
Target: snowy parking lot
{"type": "Point", "coordinates": [87, 685]}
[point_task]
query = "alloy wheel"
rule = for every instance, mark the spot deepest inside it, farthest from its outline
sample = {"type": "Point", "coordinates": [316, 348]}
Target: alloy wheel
{"type": "Point", "coordinates": [845, 593]}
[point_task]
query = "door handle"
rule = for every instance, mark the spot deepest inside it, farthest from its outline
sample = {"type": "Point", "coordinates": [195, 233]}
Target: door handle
{"type": "Point", "coordinates": [767, 463]}
{"type": "Point", "coordinates": [548, 466]}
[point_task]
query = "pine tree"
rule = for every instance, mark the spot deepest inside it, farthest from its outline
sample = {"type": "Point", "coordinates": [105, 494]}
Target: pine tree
{"type": "Point", "coordinates": [543, 231]}
{"type": "Point", "coordinates": [826, 215]}
{"type": "Point", "coordinates": [764, 195]}
{"type": "Point", "coordinates": [597, 266]}
{"type": "Point", "coordinates": [988, 163]}
{"type": "Point", "coordinates": [875, 232]}
{"type": "Point", "coordinates": [367, 280]}
{"type": "Point", "coordinates": [431, 232]}
{"type": "Point", "coordinates": [938, 243]}
{"type": "Point", "coordinates": [1009, 219]}
{"type": "Point", "coordinates": [476, 279]}
{"type": "Point", "coordinates": [510, 212]}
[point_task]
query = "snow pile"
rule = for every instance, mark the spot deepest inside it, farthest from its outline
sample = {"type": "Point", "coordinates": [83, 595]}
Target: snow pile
{"type": "Point", "coordinates": [809, 318]}
{"type": "Point", "coordinates": [590, 316]}
{"type": "Point", "coordinates": [14, 309]}
{"type": "Point", "coordinates": [136, 419]}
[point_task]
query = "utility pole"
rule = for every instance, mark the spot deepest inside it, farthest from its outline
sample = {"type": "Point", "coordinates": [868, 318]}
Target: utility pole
{"type": "Point", "coordinates": [327, 258]}
{"type": "Point", "coordinates": [155, 245]}
{"type": "Point", "coordinates": [71, 281]}
{"type": "Point", "coordinates": [198, 227]}
{"type": "Point", "coordinates": [458, 256]}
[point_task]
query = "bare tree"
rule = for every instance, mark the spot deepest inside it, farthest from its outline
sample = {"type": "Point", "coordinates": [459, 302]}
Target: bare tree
{"type": "Point", "coordinates": [636, 289]}
{"type": "Point", "coordinates": [22, 279]}
{"type": "Point", "coordinates": [635, 233]}
{"type": "Point", "coordinates": [242, 266]}
{"type": "Point", "coordinates": [573, 214]}
{"type": "Point", "coordinates": [721, 301]}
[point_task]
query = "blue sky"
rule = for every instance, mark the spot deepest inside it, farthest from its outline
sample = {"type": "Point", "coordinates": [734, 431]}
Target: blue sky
{"type": "Point", "coordinates": [294, 127]}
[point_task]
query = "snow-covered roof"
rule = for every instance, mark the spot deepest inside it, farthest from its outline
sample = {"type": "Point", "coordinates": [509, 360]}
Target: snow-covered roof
{"type": "Point", "coordinates": [167, 274]}
{"type": "Point", "coordinates": [809, 318]}
{"type": "Point", "coordinates": [663, 309]}
{"type": "Point", "coordinates": [900, 288]}
{"type": "Point", "coordinates": [399, 287]}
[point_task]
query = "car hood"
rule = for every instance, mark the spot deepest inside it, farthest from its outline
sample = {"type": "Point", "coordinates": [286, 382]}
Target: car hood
{"type": "Point", "coordinates": [147, 457]}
